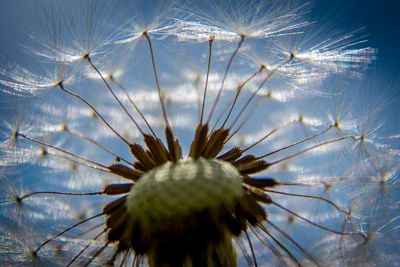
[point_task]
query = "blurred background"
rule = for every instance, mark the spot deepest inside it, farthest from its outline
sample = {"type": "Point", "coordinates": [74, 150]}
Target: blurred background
{"type": "Point", "coordinates": [379, 17]}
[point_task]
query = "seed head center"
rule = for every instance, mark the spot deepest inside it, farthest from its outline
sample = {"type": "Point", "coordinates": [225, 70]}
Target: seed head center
{"type": "Point", "coordinates": [177, 190]}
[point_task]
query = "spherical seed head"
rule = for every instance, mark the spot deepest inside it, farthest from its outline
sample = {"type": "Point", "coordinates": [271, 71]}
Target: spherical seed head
{"type": "Point", "coordinates": [177, 190]}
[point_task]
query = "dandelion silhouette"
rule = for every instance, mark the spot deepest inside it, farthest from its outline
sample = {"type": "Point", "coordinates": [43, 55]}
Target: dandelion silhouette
{"type": "Point", "coordinates": [249, 181]}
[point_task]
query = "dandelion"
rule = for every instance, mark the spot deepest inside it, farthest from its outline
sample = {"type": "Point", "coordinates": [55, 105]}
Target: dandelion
{"type": "Point", "coordinates": [171, 135]}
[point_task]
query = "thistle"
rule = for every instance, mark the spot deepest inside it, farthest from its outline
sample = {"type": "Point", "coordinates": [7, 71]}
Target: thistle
{"type": "Point", "coordinates": [189, 136]}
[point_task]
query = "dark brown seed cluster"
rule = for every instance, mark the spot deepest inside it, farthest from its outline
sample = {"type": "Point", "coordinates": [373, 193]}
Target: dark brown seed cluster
{"type": "Point", "coordinates": [205, 238]}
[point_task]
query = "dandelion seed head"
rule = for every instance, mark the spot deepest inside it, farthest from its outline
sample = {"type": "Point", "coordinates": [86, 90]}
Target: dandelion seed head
{"type": "Point", "coordinates": [221, 134]}
{"type": "Point", "coordinates": [23, 81]}
{"type": "Point", "coordinates": [231, 21]}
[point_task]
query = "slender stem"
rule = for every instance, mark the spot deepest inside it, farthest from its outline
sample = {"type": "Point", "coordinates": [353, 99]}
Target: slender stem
{"type": "Point", "coordinates": [238, 91]}
{"type": "Point", "coordinates": [86, 247]}
{"type": "Point", "coordinates": [266, 136]}
{"type": "Point", "coordinates": [59, 193]}
{"type": "Point", "coordinates": [244, 252]}
{"type": "Point", "coordinates": [85, 164]}
{"type": "Point", "coordinates": [306, 253]}
{"type": "Point", "coordinates": [62, 150]}
{"type": "Point", "coordinates": [268, 244]}
{"type": "Point", "coordinates": [97, 254]}
{"type": "Point", "coordinates": [134, 105]}
{"type": "Point", "coordinates": [66, 230]}
{"type": "Point", "coordinates": [210, 42]}
{"type": "Point", "coordinates": [61, 86]}
{"type": "Point", "coordinates": [196, 83]}
{"type": "Point", "coordinates": [224, 77]}
{"type": "Point", "coordinates": [97, 144]}
{"type": "Point", "coordinates": [153, 63]}
{"type": "Point", "coordinates": [251, 249]}
{"type": "Point", "coordinates": [310, 148]}
{"type": "Point", "coordinates": [313, 223]}
{"type": "Point", "coordinates": [297, 143]}
{"type": "Point", "coordinates": [308, 196]}
{"type": "Point", "coordinates": [258, 89]}
{"type": "Point", "coordinates": [113, 94]}
{"type": "Point", "coordinates": [90, 229]}
{"type": "Point", "coordinates": [125, 257]}
{"type": "Point", "coordinates": [291, 256]}
{"type": "Point", "coordinates": [248, 116]}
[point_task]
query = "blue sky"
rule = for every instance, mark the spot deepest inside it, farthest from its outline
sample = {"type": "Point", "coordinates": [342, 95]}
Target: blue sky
{"type": "Point", "coordinates": [380, 18]}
